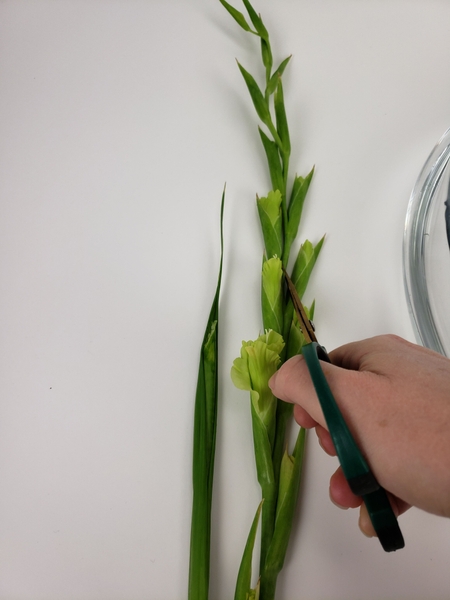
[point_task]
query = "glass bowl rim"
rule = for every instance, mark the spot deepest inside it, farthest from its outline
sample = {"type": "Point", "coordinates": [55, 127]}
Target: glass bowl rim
{"type": "Point", "coordinates": [414, 247]}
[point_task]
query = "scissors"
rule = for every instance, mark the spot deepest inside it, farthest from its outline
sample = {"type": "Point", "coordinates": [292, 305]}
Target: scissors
{"type": "Point", "coordinates": [357, 472]}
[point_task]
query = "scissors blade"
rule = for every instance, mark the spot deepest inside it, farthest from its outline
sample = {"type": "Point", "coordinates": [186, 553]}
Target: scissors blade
{"type": "Point", "coordinates": [304, 322]}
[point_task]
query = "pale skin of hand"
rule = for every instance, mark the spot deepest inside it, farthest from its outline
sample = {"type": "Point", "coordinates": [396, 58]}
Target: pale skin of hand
{"type": "Point", "coordinates": [395, 397]}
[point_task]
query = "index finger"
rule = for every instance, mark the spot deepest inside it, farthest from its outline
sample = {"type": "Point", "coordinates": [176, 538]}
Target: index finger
{"type": "Point", "coordinates": [292, 383]}
{"type": "Point", "coordinates": [362, 355]}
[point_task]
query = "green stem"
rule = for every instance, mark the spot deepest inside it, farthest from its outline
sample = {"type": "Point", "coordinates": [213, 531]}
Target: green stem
{"type": "Point", "coordinates": [269, 507]}
{"type": "Point", "coordinates": [268, 75]}
{"type": "Point", "coordinates": [284, 414]}
{"type": "Point", "coordinates": [269, 488]}
{"type": "Point", "coordinates": [268, 585]}
{"type": "Point", "coordinates": [285, 256]}
{"type": "Point", "coordinates": [275, 135]}
{"type": "Point", "coordinates": [284, 215]}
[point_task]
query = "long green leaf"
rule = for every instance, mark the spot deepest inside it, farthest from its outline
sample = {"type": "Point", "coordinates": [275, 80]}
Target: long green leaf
{"type": "Point", "coordinates": [237, 16]}
{"type": "Point", "coordinates": [274, 162]}
{"type": "Point", "coordinates": [304, 264]}
{"type": "Point", "coordinates": [257, 97]}
{"type": "Point", "coordinates": [295, 209]}
{"type": "Point", "coordinates": [244, 578]}
{"type": "Point", "coordinates": [281, 120]}
{"type": "Point", "coordinates": [273, 82]}
{"type": "Point", "coordinates": [256, 20]}
{"type": "Point", "coordinates": [269, 210]}
{"type": "Point", "coordinates": [205, 425]}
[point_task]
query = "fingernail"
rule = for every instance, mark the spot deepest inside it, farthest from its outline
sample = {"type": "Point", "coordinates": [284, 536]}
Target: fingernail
{"type": "Point", "coordinates": [364, 532]}
{"type": "Point", "coordinates": [366, 527]}
{"type": "Point", "coordinates": [336, 503]}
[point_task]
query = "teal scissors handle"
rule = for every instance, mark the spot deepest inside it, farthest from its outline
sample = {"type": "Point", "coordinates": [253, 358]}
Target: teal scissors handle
{"type": "Point", "coordinates": [360, 478]}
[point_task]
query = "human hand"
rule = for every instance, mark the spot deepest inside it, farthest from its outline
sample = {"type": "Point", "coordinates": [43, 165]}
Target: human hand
{"type": "Point", "coordinates": [395, 398]}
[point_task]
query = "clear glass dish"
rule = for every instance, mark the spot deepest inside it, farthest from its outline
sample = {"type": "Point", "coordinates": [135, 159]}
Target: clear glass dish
{"type": "Point", "coordinates": [426, 254]}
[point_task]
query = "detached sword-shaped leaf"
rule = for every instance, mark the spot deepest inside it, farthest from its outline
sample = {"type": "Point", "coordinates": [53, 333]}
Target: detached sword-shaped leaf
{"type": "Point", "coordinates": [205, 425]}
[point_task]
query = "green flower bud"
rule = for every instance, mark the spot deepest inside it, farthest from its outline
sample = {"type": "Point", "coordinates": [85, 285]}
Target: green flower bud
{"type": "Point", "coordinates": [269, 210]}
{"type": "Point", "coordinates": [299, 191]}
{"type": "Point", "coordinates": [290, 473]}
{"type": "Point", "coordinates": [252, 370]}
{"type": "Point", "coordinates": [286, 474]}
{"type": "Point", "coordinates": [304, 265]}
{"type": "Point", "coordinates": [296, 338]}
{"type": "Point", "coordinates": [272, 295]}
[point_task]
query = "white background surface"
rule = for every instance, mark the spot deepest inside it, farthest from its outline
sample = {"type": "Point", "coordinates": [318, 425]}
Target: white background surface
{"type": "Point", "coordinates": [120, 121]}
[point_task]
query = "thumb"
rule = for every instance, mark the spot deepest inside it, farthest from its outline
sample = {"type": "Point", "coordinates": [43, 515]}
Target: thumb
{"type": "Point", "coordinates": [292, 383]}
